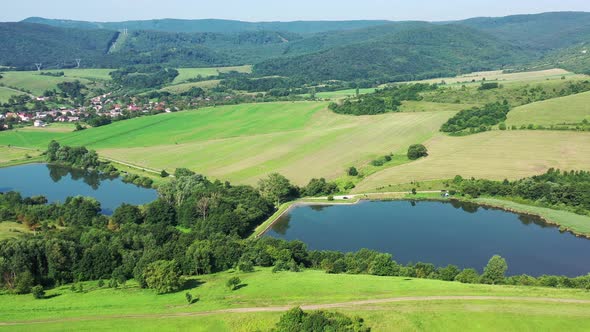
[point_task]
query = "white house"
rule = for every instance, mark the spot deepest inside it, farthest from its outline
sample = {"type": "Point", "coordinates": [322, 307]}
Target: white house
{"type": "Point", "coordinates": [39, 123]}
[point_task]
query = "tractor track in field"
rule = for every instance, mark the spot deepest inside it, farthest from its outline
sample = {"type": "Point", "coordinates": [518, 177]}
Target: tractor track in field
{"type": "Point", "coordinates": [304, 307]}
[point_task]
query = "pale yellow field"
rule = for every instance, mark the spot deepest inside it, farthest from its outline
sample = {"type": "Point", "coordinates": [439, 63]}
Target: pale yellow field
{"type": "Point", "coordinates": [325, 147]}
{"type": "Point", "coordinates": [499, 75]}
{"type": "Point", "coordinates": [570, 109]}
{"type": "Point", "coordinates": [491, 155]}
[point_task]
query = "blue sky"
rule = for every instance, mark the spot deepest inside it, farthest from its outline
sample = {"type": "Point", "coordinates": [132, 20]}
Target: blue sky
{"type": "Point", "coordinates": [280, 10]}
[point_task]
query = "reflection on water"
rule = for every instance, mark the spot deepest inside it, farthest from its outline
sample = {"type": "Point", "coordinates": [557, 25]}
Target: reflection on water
{"type": "Point", "coordinates": [442, 233]}
{"type": "Point", "coordinates": [59, 182]}
{"type": "Point", "coordinates": [91, 178]}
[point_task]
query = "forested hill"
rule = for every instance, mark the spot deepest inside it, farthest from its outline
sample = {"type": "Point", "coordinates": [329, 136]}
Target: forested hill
{"type": "Point", "coordinates": [213, 25]}
{"type": "Point", "coordinates": [412, 54]}
{"type": "Point", "coordinates": [27, 43]}
{"type": "Point", "coordinates": [539, 31]}
{"type": "Point", "coordinates": [345, 50]}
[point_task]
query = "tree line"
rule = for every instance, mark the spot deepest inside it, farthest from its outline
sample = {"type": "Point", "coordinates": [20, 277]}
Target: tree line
{"type": "Point", "coordinates": [477, 119]}
{"type": "Point", "coordinates": [569, 190]}
{"type": "Point", "coordinates": [382, 101]}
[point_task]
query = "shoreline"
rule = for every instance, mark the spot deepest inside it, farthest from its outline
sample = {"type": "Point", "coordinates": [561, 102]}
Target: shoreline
{"type": "Point", "coordinates": [499, 206]}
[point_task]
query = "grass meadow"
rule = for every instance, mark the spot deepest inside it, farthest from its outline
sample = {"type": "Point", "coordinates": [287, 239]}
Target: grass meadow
{"type": "Point", "coordinates": [492, 155]}
{"type": "Point", "coordinates": [564, 110]}
{"type": "Point", "coordinates": [241, 143]}
{"type": "Point", "coordinates": [133, 308]}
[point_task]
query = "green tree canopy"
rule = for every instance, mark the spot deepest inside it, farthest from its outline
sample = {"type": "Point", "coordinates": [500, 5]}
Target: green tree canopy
{"type": "Point", "coordinates": [163, 276]}
{"type": "Point", "coordinates": [494, 272]}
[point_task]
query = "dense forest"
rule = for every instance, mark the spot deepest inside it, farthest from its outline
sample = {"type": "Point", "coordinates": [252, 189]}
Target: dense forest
{"type": "Point", "coordinates": [378, 51]}
{"type": "Point", "coordinates": [439, 51]}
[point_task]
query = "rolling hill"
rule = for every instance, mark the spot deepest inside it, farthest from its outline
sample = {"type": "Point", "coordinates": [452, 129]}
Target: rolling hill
{"type": "Point", "coordinates": [23, 44]}
{"type": "Point", "coordinates": [213, 25]}
{"type": "Point", "coordinates": [542, 32]}
{"type": "Point", "coordinates": [315, 50]}
{"type": "Point", "coordinates": [432, 51]}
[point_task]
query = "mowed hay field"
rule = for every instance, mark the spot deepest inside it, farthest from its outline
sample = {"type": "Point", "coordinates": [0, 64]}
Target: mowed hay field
{"type": "Point", "coordinates": [242, 143]}
{"type": "Point", "coordinates": [501, 76]}
{"type": "Point", "coordinates": [490, 155]}
{"type": "Point", "coordinates": [569, 109]}
{"type": "Point", "coordinates": [406, 304]}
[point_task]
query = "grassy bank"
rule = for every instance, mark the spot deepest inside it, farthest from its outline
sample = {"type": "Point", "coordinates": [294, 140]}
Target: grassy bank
{"type": "Point", "coordinates": [569, 221]}
{"type": "Point", "coordinates": [134, 308]}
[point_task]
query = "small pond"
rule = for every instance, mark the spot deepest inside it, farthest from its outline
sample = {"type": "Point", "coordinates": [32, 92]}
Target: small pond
{"type": "Point", "coordinates": [440, 233]}
{"type": "Point", "coordinates": [58, 182]}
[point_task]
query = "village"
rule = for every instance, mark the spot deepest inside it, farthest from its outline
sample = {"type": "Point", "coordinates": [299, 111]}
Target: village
{"type": "Point", "coordinates": [104, 106]}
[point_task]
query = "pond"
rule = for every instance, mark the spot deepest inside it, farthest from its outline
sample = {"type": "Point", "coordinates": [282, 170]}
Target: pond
{"type": "Point", "coordinates": [440, 233]}
{"type": "Point", "coordinates": [58, 182]}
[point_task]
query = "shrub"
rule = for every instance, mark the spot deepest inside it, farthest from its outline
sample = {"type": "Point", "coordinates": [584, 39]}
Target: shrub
{"type": "Point", "coordinates": [38, 292]}
{"type": "Point", "coordinates": [416, 151]}
{"type": "Point", "coordinates": [352, 171]}
{"type": "Point", "coordinates": [233, 283]}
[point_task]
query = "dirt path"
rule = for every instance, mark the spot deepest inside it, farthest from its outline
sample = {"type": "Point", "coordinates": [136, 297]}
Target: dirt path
{"type": "Point", "coordinates": [304, 307]}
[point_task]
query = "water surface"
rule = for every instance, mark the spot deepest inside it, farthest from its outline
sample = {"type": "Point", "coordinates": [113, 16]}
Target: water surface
{"type": "Point", "coordinates": [58, 182]}
{"type": "Point", "coordinates": [440, 233]}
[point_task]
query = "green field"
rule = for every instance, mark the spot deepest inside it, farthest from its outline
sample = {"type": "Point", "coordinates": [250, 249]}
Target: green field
{"type": "Point", "coordinates": [244, 142]}
{"type": "Point", "coordinates": [11, 154]}
{"type": "Point", "coordinates": [342, 93]}
{"type": "Point", "coordinates": [35, 83]}
{"type": "Point", "coordinates": [188, 73]}
{"type": "Point", "coordinates": [134, 308]}
{"type": "Point", "coordinates": [490, 155]}
{"type": "Point", "coordinates": [6, 93]}
{"type": "Point", "coordinates": [182, 87]}
{"type": "Point", "coordinates": [564, 110]}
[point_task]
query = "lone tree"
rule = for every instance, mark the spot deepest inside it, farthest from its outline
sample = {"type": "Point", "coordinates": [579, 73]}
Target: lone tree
{"type": "Point", "coordinates": [417, 151]}
{"type": "Point", "coordinates": [233, 283]}
{"type": "Point", "coordinates": [353, 171]}
{"type": "Point", "coordinates": [276, 188]}
{"type": "Point", "coordinates": [494, 272]}
{"type": "Point", "coordinates": [163, 276]}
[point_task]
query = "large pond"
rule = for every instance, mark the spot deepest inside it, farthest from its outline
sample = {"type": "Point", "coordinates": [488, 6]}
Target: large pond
{"type": "Point", "coordinates": [440, 233]}
{"type": "Point", "coordinates": [57, 183]}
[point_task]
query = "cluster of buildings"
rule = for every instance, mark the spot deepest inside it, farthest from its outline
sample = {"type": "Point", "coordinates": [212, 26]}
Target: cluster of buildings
{"type": "Point", "coordinates": [101, 105]}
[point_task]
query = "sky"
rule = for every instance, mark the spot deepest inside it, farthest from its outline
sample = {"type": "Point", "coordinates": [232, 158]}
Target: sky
{"type": "Point", "coordinates": [280, 10]}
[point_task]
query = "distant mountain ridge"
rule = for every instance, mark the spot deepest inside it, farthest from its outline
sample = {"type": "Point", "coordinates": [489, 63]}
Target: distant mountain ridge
{"type": "Point", "coordinates": [213, 25]}
{"type": "Point", "coordinates": [315, 50]}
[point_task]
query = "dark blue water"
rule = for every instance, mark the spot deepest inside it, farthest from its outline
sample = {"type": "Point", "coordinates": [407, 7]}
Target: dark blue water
{"type": "Point", "coordinates": [57, 183]}
{"type": "Point", "coordinates": [440, 233]}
